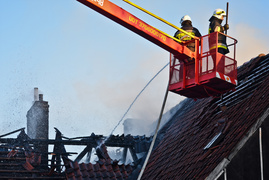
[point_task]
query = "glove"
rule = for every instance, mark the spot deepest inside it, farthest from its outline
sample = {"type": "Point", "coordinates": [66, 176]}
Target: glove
{"type": "Point", "coordinates": [226, 27]}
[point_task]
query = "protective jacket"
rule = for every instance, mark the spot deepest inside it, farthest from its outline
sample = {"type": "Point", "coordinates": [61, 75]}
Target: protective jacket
{"type": "Point", "coordinates": [215, 25]}
{"type": "Point", "coordinates": [184, 37]}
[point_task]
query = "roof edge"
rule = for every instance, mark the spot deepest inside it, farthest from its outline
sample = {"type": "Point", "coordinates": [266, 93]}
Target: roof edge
{"type": "Point", "coordinates": [218, 170]}
{"type": "Point", "coordinates": [223, 164]}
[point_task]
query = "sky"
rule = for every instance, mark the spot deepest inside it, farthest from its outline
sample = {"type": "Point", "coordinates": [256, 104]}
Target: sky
{"type": "Point", "coordinates": [90, 68]}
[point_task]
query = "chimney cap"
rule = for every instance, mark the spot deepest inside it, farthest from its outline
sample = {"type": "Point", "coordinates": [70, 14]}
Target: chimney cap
{"type": "Point", "coordinates": [35, 94]}
{"type": "Point", "coordinates": [40, 97]}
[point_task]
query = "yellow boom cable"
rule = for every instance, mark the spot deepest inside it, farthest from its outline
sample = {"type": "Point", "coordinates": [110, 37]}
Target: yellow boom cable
{"type": "Point", "coordinates": [161, 19]}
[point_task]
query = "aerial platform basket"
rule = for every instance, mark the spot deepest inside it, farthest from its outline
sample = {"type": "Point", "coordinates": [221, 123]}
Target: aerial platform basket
{"type": "Point", "coordinates": [210, 74]}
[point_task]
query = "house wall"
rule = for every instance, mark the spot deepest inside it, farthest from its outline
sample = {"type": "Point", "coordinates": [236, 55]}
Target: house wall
{"type": "Point", "coordinates": [265, 146]}
{"type": "Point", "coordinates": [246, 164]}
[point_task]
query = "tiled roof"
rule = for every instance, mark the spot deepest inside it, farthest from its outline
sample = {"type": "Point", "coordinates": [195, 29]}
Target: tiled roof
{"type": "Point", "coordinates": [187, 149]}
{"type": "Point", "coordinates": [103, 169]}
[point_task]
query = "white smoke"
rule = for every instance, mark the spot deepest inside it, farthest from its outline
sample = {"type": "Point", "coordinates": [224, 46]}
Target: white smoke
{"type": "Point", "coordinates": [251, 42]}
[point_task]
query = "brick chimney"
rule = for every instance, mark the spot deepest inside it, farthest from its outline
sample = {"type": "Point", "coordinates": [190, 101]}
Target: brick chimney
{"type": "Point", "coordinates": [38, 118]}
{"type": "Point", "coordinates": [38, 123]}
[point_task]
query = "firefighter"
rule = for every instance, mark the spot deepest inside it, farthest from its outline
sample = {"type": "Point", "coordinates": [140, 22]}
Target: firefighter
{"type": "Point", "coordinates": [215, 26]}
{"type": "Point", "coordinates": [186, 24]}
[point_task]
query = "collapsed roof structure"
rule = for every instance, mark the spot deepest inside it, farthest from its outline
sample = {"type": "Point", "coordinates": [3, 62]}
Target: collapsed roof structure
{"type": "Point", "coordinates": [29, 157]}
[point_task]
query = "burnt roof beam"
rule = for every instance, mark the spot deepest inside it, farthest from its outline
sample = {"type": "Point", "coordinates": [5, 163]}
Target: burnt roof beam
{"type": "Point", "coordinates": [12, 132]}
{"type": "Point", "coordinates": [87, 149]}
{"type": "Point", "coordinates": [66, 142]}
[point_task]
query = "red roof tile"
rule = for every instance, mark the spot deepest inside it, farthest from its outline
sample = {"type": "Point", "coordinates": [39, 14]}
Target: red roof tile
{"type": "Point", "coordinates": [104, 169]}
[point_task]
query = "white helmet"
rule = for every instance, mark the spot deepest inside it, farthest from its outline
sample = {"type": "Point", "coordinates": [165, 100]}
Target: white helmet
{"type": "Point", "coordinates": [218, 13]}
{"type": "Point", "coordinates": [185, 18]}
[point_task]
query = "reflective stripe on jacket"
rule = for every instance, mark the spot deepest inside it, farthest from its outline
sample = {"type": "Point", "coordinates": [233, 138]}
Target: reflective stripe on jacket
{"type": "Point", "coordinates": [215, 26]}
